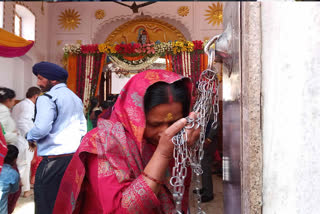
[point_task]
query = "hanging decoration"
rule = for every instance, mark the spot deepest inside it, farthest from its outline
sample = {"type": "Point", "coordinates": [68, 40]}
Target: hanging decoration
{"type": "Point", "coordinates": [135, 64]}
{"type": "Point", "coordinates": [12, 45]}
{"type": "Point", "coordinates": [119, 71]}
{"type": "Point", "coordinates": [72, 49]}
{"type": "Point", "coordinates": [99, 14]}
{"type": "Point", "coordinates": [186, 58]}
{"type": "Point", "coordinates": [137, 56]}
{"type": "Point", "coordinates": [135, 51]}
{"type": "Point", "coordinates": [69, 19]}
{"type": "Point", "coordinates": [215, 14]}
{"type": "Point", "coordinates": [183, 11]}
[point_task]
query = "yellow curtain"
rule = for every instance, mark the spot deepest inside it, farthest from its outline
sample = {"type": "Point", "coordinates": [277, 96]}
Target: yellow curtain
{"type": "Point", "coordinates": [11, 40]}
{"type": "Point", "coordinates": [72, 72]}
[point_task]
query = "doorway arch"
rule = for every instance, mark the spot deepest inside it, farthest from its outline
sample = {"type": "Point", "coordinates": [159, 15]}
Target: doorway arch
{"type": "Point", "coordinates": [107, 28]}
{"type": "Point", "coordinates": [153, 29]}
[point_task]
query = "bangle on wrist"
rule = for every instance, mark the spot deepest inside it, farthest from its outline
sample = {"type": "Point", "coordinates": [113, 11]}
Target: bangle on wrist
{"type": "Point", "coordinates": [151, 178]}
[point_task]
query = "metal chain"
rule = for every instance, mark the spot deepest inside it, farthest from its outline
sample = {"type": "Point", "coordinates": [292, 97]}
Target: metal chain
{"type": "Point", "coordinates": [207, 102]}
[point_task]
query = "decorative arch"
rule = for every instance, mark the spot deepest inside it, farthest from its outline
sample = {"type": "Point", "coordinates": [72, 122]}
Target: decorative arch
{"type": "Point", "coordinates": [26, 6]}
{"type": "Point", "coordinates": [108, 26]}
{"type": "Point", "coordinates": [150, 29]}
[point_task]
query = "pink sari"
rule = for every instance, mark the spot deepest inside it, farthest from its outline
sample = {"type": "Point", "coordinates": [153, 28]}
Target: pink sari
{"type": "Point", "coordinates": [104, 175]}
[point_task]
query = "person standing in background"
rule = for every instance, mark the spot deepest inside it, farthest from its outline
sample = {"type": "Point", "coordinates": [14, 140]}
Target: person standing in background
{"type": "Point", "coordinates": [11, 135]}
{"type": "Point", "coordinates": [93, 113]}
{"type": "Point", "coordinates": [7, 101]}
{"type": "Point", "coordinates": [58, 128]}
{"type": "Point", "coordinates": [23, 115]}
{"type": "Point", "coordinates": [9, 179]}
{"type": "Point", "coordinates": [106, 109]}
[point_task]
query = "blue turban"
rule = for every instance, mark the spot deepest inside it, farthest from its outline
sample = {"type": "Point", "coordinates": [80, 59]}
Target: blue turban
{"type": "Point", "coordinates": [50, 71]}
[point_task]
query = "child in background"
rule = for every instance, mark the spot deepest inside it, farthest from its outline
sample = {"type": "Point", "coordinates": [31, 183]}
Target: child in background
{"type": "Point", "coordinates": [9, 178]}
{"type": "Point", "coordinates": [94, 111]}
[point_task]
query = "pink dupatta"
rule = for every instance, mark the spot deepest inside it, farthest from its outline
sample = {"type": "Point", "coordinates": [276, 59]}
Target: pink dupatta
{"type": "Point", "coordinates": [104, 175]}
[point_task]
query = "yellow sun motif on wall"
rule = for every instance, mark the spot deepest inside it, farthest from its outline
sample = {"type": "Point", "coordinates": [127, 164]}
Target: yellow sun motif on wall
{"type": "Point", "coordinates": [183, 11]}
{"type": "Point", "coordinates": [215, 14]}
{"type": "Point", "coordinates": [100, 14]}
{"type": "Point", "coordinates": [69, 19]}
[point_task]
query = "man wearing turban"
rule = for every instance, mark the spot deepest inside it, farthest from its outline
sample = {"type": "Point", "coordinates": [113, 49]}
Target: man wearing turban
{"type": "Point", "coordinates": [58, 128]}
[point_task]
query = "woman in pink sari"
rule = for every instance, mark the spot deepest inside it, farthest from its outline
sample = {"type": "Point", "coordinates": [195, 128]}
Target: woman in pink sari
{"type": "Point", "coordinates": [123, 165]}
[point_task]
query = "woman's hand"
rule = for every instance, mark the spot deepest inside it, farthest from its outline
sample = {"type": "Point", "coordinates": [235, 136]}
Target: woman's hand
{"type": "Point", "coordinates": [194, 132]}
{"type": "Point", "coordinates": [165, 146]}
{"type": "Point", "coordinates": [158, 164]}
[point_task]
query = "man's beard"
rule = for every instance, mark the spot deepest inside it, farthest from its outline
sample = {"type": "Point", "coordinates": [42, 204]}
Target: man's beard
{"type": "Point", "coordinates": [47, 87]}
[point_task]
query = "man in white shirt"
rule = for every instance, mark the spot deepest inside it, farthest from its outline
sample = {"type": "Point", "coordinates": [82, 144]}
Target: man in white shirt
{"type": "Point", "coordinates": [23, 114]}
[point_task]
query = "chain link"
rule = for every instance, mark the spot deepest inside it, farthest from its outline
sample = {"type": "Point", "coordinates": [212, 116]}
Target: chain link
{"type": "Point", "coordinates": [207, 102]}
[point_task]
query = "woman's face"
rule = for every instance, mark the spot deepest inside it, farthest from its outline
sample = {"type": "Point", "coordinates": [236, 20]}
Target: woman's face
{"type": "Point", "coordinates": [10, 103]}
{"type": "Point", "coordinates": [159, 119]}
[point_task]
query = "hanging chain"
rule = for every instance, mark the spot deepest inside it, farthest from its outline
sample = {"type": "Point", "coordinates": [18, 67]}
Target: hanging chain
{"type": "Point", "coordinates": [207, 102]}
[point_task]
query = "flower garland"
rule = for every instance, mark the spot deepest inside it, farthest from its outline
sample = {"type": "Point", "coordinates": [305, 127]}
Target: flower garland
{"type": "Point", "coordinates": [88, 80]}
{"type": "Point", "coordinates": [81, 74]}
{"type": "Point", "coordinates": [199, 45]}
{"type": "Point", "coordinates": [182, 46]}
{"type": "Point", "coordinates": [183, 57]}
{"type": "Point", "coordinates": [135, 56]}
{"type": "Point", "coordinates": [189, 65]}
{"type": "Point", "coordinates": [89, 49]}
{"type": "Point", "coordinates": [161, 48]}
{"type": "Point", "coordinates": [186, 64]}
{"type": "Point", "coordinates": [72, 49]}
{"type": "Point", "coordinates": [136, 65]}
{"type": "Point", "coordinates": [107, 48]}
{"type": "Point", "coordinates": [135, 49]}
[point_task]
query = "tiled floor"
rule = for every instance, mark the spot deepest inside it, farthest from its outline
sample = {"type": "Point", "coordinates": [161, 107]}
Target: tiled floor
{"type": "Point", "coordinates": [26, 205]}
{"type": "Point", "coordinates": [212, 207]}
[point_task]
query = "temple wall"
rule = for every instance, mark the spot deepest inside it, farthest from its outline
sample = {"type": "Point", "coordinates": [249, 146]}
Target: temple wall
{"type": "Point", "coordinates": [16, 72]}
{"type": "Point", "coordinates": [92, 30]}
{"type": "Point", "coordinates": [50, 37]}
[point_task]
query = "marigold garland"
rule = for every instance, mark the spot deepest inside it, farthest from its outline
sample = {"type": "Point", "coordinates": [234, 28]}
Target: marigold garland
{"type": "Point", "coordinates": [133, 54]}
{"type": "Point", "coordinates": [135, 49]}
{"type": "Point", "coordinates": [107, 48]}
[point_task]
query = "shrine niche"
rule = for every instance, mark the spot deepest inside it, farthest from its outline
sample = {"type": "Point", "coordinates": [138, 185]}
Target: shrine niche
{"type": "Point", "coordinates": [144, 31]}
{"type": "Point", "coordinates": [133, 46]}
